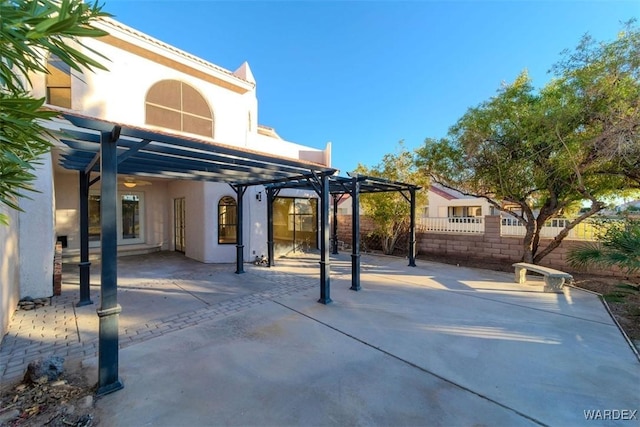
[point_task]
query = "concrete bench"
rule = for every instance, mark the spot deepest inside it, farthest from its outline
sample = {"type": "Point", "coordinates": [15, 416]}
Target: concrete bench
{"type": "Point", "coordinates": [553, 279]}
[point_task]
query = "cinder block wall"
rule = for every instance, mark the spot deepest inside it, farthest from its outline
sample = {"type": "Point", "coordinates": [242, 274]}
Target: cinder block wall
{"type": "Point", "coordinates": [490, 246]}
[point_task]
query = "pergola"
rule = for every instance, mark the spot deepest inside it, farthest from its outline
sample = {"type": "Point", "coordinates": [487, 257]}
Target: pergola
{"type": "Point", "coordinates": [95, 146]}
{"type": "Point", "coordinates": [338, 188]}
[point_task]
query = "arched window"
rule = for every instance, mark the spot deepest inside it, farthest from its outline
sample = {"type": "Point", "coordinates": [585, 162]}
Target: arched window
{"type": "Point", "coordinates": [176, 105]}
{"type": "Point", "coordinates": [227, 216]}
{"type": "Point", "coordinates": [58, 82]}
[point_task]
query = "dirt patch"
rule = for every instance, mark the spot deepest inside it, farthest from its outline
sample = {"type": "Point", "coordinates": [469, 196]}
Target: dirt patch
{"type": "Point", "coordinates": [67, 401]}
{"type": "Point", "coordinates": [622, 295]}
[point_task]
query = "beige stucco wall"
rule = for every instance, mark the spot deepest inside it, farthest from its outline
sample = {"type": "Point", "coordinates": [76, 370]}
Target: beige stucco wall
{"type": "Point", "coordinates": [36, 234]}
{"type": "Point", "coordinates": [119, 95]}
{"type": "Point", "coordinates": [9, 268]}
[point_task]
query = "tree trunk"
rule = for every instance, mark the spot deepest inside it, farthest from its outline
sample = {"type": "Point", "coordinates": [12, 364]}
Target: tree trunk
{"type": "Point", "coordinates": [527, 245]}
{"type": "Point", "coordinates": [565, 232]}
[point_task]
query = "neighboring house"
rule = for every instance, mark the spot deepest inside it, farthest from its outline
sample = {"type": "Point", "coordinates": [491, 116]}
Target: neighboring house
{"type": "Point", "coordinates": [153, 85]}
{"type": "Point", "coordinates": [448, 203]}
{"type": "Point", "coordinates": [442, 203]}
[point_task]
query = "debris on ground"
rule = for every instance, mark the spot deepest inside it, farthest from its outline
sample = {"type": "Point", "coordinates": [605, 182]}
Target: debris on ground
{"type": "Point", "coordinates": [66, 400]}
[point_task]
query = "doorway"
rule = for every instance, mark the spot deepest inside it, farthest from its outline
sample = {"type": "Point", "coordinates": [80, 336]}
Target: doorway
{"type": "Point", "coordinates": [295, 224]}
{"type": "Point", "coordinates": [179, 214]}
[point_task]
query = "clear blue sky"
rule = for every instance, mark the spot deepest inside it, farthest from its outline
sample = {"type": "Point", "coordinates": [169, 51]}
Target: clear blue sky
{"type": "Point", "coordinates": [367, 74]}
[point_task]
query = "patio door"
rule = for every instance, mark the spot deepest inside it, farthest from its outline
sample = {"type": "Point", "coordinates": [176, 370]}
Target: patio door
{"type": "Point", "coordinates": [295, 224]}
{"type": "Point", "coordinates": [179, 211]}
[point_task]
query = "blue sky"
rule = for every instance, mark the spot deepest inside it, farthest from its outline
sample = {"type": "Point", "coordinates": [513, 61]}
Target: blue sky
{"type": "Point", "coordinates": [367, 74]}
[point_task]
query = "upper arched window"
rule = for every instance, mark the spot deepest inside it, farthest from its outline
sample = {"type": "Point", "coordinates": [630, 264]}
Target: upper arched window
{"type": "Point", "coordinates": [58, 82]}
{"type": "Point", "coordinates": [175, 105]}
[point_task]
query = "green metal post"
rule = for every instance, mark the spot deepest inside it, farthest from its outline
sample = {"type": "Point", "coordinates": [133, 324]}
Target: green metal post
{"type": "Point", "coordinates": [109, 310]}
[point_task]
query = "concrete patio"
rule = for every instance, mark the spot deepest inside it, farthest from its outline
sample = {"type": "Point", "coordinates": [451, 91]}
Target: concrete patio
{"type": "Point", "coordinates": [429, 345]}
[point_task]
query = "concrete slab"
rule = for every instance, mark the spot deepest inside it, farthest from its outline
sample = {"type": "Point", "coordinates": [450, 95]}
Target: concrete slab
{"type": "Point", "coordinates": [273, 366]}
{"type": "Point", "coordinates": [432, 345]}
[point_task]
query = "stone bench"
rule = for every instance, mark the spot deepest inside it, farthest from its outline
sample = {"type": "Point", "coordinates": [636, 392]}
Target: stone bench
{"type": "Point", "coordinates": [553, 279]}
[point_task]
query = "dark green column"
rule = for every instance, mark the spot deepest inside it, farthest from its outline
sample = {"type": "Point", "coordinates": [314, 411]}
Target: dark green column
{"type": "Point", "coordinates": [109, 310]}
{"type": "Point", "coordinates": [270, 243]}
{"type": "Point", "coordinates": [239, 230]}
{"type": "Point", "coordinates": [355, 234]}
{"type": "Point", "coordinates": [412, 230]}
{"type": "Point", "coordinates": [85, 265]}
{"type": "Point", "coordinates": [325, 285]}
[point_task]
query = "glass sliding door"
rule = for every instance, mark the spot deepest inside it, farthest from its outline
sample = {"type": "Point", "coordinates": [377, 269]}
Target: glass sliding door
{"type": "Point", "coordinates": [295, 224]}
{"type": "Point", "coordinates": [179, 214]}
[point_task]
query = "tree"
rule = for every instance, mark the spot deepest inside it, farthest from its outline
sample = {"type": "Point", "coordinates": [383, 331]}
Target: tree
{"type": "Point", "coordinates": [538, 154]}
{"type": "Point", "coordinates": [390, 211]}
{"type": "Point", "coordinates": [31, 30]}
{"type": "Point", "coordinates": [618, 246]}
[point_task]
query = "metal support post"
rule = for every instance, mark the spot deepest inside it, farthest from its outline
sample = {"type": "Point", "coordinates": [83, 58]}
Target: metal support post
{"type": "Point", "coordinates": [109, 310]}
{"type": "Point", "coordinates": [355, 234]}
{"type": "Point", "coordinates": [335, 225]}
{"type": "Point", "coordinates": [325, 285]}
{"type": "Point", "coordinates": [270, 243]}
{"type": "Point", "coordinates": [239, 229]}
{"type": "Point", "coordinates": [84, 265]}
{"type": "Point", "coordinates": [412, 230]}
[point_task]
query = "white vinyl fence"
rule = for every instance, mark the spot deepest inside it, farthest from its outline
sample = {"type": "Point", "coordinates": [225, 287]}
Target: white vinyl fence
{"type": "Point", "coordinates": [452, 225]}
{"type": "Point", "coordinates": [586, 230]}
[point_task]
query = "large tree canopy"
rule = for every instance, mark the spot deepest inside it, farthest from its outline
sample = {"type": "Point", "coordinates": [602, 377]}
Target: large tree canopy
{"type": "Point", "coordinates": [31, 30]}
{"type": "Point", "coordinates": [546, 151]}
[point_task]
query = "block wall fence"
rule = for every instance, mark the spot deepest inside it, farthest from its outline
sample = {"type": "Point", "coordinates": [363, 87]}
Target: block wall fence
{"type": "Point", "coordinates": [489, 247]}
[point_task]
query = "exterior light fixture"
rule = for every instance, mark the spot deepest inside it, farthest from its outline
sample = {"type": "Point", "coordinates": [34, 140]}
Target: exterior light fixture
{"type": "Point", "coordinates": [129, 184]}
{"type": "Point", "coordinates": [259, 196]}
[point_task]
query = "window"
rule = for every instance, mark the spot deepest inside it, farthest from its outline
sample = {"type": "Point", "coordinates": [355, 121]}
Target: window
{"type": "Point", "coordinates": [130, 218]}
{"type": "Point", "coordinates": [227, 216]}
{"type": "Point", "coordinates": [58, 82]}
{"type": "Point", "coordinates": [464, 211]}
{"type": "Point", "coordinates": [176, 105]}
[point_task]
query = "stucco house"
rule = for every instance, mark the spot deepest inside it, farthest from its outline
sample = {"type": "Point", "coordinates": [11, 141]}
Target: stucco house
{"type": "Point", "coordinates": [442, 203]}
{"type": "Point", "coordinates": [153, 85]}
{"type": "Point", "coordinates": [448, 203]}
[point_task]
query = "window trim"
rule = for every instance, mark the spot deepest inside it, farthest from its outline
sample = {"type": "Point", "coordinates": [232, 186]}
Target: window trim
{"type": "Point", "coordinates": [49, 85]}
{"type": "Point", "coordinates": [141, 207]}
{"type": "Point", "coordinates": [181, 111]}
{"type": "Point", "coordinates": [234, 218]}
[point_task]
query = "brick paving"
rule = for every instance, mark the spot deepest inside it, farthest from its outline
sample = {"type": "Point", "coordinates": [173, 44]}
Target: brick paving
{"type": "Point", "coordinates": [54, 329]}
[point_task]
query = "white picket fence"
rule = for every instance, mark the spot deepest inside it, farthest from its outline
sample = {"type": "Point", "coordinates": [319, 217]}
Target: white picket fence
{"type": "Point", "coordinates": [508, 227]}
{"type": "Point", "coordinates": [586, 230]}
{"type": "Point", "coordinates": [452, 225]}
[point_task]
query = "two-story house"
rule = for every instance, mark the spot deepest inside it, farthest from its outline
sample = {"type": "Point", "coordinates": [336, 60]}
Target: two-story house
{"type": "Point", "coordinates": [152, 85]}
